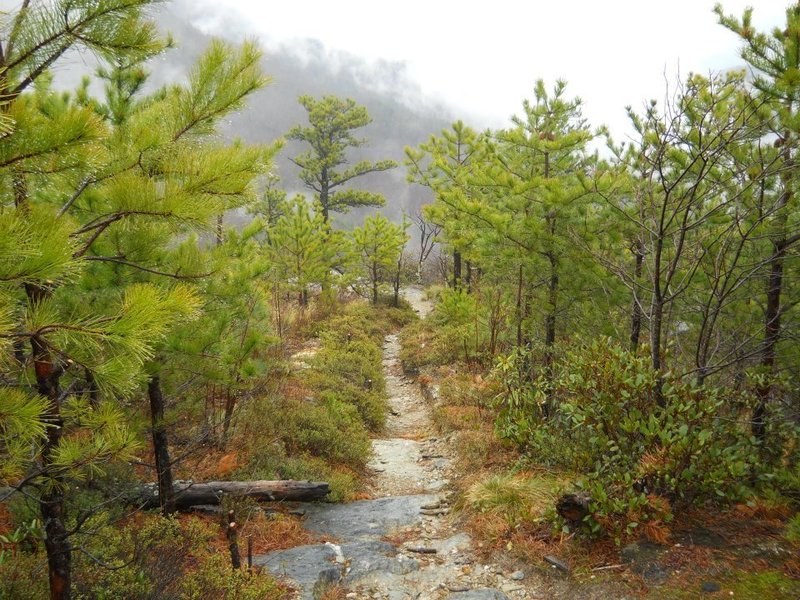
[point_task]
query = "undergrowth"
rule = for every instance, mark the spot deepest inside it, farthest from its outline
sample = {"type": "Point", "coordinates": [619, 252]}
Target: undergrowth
{"type": "Point", "coordinates": [318, 422]}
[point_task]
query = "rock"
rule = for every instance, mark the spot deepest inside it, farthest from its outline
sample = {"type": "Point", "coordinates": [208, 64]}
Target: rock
{"type": "Point", "coordinates": [479, 594]}
{"type": "Point", "coordinates": [644, 556]}
{"type": "Point", "coordinates": [709, 587]}
{"type": "Point", "coordinates": [368, 557]}
{"type": "Point", "coordinates": [365, 518]}
{"type": "Point", "coordinates": [308, 567]}
{"type": "Point", "coordinates": [557, 563]}
{"type": "Point", "coordinates": [511, 587]}
{"type": "Point", "coordinates": [517, 576]}
{"type": "Point", "coordinates": [701, 536]}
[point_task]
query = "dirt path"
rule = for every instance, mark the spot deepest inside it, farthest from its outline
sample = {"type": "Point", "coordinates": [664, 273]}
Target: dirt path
{"type": "Point", "coordinates": [405, 461]}
{"type": "Point", "coordinates": [403, 544]}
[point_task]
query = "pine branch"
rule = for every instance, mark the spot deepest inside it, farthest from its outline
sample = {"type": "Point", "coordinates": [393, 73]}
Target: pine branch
{"type": "Point", "coordinates": [121, 261]}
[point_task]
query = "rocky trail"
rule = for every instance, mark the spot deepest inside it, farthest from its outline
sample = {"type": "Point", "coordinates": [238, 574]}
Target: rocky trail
{"type": "Point", "coordinates": [402, 544]}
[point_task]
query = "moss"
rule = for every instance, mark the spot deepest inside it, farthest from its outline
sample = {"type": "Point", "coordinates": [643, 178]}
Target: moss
{"type": "Point", "coordinates": [766, 585]}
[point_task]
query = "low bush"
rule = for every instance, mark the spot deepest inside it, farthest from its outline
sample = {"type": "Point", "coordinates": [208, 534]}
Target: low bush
{"type": "Point", "coordinates": [641, 445]}
{"type": "Point", "coordinates": [148, 557]}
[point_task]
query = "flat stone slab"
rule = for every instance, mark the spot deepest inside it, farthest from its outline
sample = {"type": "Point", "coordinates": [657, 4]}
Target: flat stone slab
{"type": "Point", "coordinates": [365, 519]}
{"type": "Point", "coordinates": [313, 567]}
{"type": "Point", "coordinates": [400, 457]}
{"type": "Point", "coordinates": [367, 558]}
{"type": "Point", "coordinates": [479, 594]}
{"type": "Point", "coordinates": [308, 567]}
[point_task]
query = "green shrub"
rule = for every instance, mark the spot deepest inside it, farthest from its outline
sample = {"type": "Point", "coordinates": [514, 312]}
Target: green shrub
{"type": "Point", "coordinates": [332, 430]}
{"type": "Point", "coordinates": [636, 448]}
{"type": "Point", "coordinates": [156, 557]}
{"type": "Point", "coordinates": [216, 580]}
{"type": "Point", "coordinates": [24, 577]}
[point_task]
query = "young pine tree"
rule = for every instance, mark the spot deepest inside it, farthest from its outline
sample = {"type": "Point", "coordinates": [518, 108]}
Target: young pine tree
{"type": "Point", "coordinates": [378, 247]}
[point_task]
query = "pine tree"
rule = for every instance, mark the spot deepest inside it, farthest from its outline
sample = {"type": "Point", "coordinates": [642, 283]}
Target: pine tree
{"type": "Point", "coordinates": [775, 60]}
{"type": "Point", "coordinates": [301, 248]}
{"type": "Point", "coordinates": [378, 245]}
{"type": "Point", "coordinates": [330, 133]}
{"type": "Point", "coordinates": [92, 197]}
{"type": "Point", "coordinates": [445, 164]}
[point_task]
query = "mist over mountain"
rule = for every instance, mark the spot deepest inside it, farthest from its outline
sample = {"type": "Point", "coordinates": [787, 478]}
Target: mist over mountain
{"type": "Point", "coordinates": [401, 116]}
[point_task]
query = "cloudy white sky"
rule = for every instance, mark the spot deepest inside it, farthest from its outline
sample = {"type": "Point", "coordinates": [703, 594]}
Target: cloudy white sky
{"type": "Point", "coordinates": [483, 57]}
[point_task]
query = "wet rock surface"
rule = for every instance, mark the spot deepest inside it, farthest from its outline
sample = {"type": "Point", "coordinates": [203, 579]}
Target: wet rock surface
{"type": "Point", "coordinates": [481, 594]}
{"type": "Point", "coordinates": [365, 519]}
{"type": "Point", "coordinates": [645, 559]}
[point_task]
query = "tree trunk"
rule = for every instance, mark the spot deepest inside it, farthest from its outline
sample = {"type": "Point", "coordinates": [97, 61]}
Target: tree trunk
{"type": "Point", "coordinates": [160, 446]}
{"type": "Point", "coordinates": [636, 309]}
{"type": "Point", "coordinates": [657, 322]}
{"type": "Point", "coordinates": [375, 283]}
{"type": "Point", "coordinates": [233, 541]}
{"type": "Point", "coordinates": [219, 237]}
{"type": "Point", "coordinates": [187, 494]}
{"type": "Point", "coordinates": [772, 334]}
{"type": "Point", "coordinates": [396, 286]}
{"type": "Point", "coordinates": [230, 404]}
{"type": "Point", "coordinates": [456, 269]}
{"type": "Point", "coordinates": [324, 194]}
{"type": "Point", "coordinates": [520, 282]}
{"type": "Point", "coordinates": [772, 313]}
{"type": "Point", "coordinates": [51, 503]}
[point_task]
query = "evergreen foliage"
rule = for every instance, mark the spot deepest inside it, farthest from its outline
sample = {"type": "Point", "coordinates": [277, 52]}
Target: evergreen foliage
{"type": "Point", "coordinates": [331, 133]}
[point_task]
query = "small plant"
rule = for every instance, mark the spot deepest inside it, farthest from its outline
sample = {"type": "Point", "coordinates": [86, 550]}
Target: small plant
{"type": "Point", "coordinates": [793, 529]}
{"type": "Point", "coordinates": [515, 498]}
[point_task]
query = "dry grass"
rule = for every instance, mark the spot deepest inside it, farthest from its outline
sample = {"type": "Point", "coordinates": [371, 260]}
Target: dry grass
{"type": "Point", "coordinates": [399, 537]}
{"type": "Point", "coordinates": [454, 418]}
{"type": "Point", "coordinates": [334, 592]}
{"type": "Point", "coordinates": [517, 498]}
{"type": "Point", "coordinates": [6, 523]}
{"type": "Point", "coordinates": [275, 532]}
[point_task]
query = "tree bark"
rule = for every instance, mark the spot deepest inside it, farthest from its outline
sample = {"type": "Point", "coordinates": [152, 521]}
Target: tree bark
{"type": "Point", "coordinates": [51, 502]}
{"type": "Point", "coordinates": [375, 283]}
{"type": "Point", "coordinates": [233, 541]}
{"type": "Point", "coordinates": [165, 497]}
{"type": "Point", "coordinates": [636, 309]}
{"type": "Point", "coordinates": [772, 334]}
{"type": "Point", "coordinates": [772, 313]}
{"type": "Point", "coordinates": [456, 269]}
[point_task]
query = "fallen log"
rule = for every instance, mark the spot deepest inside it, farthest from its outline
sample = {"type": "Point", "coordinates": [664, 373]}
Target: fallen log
{"type": "Point", "coordinates": [188, 494]}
